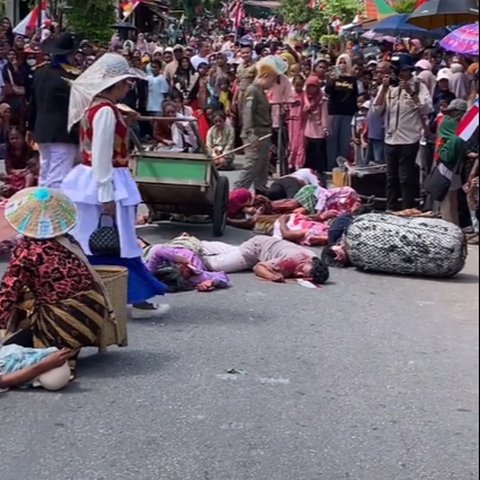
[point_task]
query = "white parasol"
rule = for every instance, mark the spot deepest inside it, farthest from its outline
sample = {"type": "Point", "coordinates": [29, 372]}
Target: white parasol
{"type": "Point", "coordinates": [108, 70]}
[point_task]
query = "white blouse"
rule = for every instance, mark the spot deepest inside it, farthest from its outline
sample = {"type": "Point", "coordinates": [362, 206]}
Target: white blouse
{"type": "Point", "coordinates": [103, 140]}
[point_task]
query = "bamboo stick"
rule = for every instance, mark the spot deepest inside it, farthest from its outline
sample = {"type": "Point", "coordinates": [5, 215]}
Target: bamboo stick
{"type": "Point", "coordinates": [238, 149]}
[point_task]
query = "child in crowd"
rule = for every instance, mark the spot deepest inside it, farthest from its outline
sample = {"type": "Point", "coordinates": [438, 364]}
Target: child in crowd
{"type": "Point", "coordinates": [21, 165]}
{"type": "Point", "coordinates": [317, 126]}
{"type": "Point", "coordinates": [158, 89]}
{"type": "Point", "coordinates": [225, 98]}
{"type": "Point", "coordinates": [443, 104]}
{"type": "Point", "coordinates": [179, 101]}
{"type": "Point", "coordinates": [359, 124]}
{"type": "Point", "coordinates": [296, 125]}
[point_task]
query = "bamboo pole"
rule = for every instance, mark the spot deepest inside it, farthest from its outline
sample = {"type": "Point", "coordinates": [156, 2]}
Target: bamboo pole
{"type": "Point", "coordinates": [238, 149]}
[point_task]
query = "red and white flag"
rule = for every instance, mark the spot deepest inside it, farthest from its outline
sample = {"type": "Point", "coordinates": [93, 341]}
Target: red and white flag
{"type": "Point", "coordinates": [469, 123]}
{"type": "Point", "coordinates": [128, 7]}
{"type": "Point", "coordinates": [237, 13]}
{"type": "Point", "coordinates": [30, 23]}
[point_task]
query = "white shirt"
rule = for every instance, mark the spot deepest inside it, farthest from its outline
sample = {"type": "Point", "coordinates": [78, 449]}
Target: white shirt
{"type": "Point", "coordinates": [307, 176]}
{"type": "Point", "coordinates": [403, 119]}
{"type": "Point", "coordinates": [183, 139]}
{"type": "Point", "coordinates": [157, 89]}
{"type": "Point", "coordinates": [197, 60]}
{"type": "Point", "coordinates": [104, 124]}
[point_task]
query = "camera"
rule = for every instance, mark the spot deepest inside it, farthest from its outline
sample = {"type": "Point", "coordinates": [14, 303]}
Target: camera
{"type": "Point", "coordinates": [394, 79]}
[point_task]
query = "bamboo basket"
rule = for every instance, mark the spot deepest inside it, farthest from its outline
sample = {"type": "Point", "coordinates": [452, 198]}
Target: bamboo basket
{"type": "Point", "coordinates": [115, 332]}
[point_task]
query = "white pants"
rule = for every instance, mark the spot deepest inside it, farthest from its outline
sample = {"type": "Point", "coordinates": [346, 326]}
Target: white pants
{"type": "Point", "coordinates": [56, 161]}
{"type": "Point", "coordinates": [222, 257]}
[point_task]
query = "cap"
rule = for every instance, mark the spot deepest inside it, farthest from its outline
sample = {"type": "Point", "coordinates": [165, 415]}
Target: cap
{"type": "Point", "coordinates": [366, 105]}
{"type": "Point", "coordinates": [424, 65]}
{"type": "Point", "coordinates": [403, 62]}
{"type": "Point", "coordinates": [444, 74]}
{"type": "Point", "coordinates": [178, 47]}
{"type": "Point", "coordinates": [457, 104]}
{"type": "Point", "coordinates": [168, 50]}
{"type": "Point", "coordinates": [372, 62]}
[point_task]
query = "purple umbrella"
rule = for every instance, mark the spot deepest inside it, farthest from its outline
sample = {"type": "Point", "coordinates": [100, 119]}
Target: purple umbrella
{"type": "Point", "coordinates": [463, 40]}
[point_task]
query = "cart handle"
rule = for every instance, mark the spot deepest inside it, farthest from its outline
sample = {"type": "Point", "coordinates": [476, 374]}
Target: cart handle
{"type": "Point", "coordinates": [143, 118]}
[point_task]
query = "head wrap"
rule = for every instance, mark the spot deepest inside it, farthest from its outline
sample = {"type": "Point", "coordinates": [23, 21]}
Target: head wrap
{"type": "Point", "coordinates": [348, 60]}
{"type": "Point", "coordinates": [237, 200]}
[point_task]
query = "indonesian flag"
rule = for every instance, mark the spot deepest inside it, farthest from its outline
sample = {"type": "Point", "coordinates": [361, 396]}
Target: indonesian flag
{"type": "Point", "coordinates": [128, 7]}
{"type": "Point", "coordinates": [237, 12]}
{"type": "Point", "coordinates": [469, 123]}
{"type": "Point", "coordinates": [30, 23]}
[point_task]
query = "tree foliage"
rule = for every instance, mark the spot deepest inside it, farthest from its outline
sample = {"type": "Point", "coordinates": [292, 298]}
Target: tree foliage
{"type": "Point", "coordinates": [405, 6]}
{"type": "Point", "coordinates": [295, 12]}
{"type": "Point", "coordinates": [92, 19]}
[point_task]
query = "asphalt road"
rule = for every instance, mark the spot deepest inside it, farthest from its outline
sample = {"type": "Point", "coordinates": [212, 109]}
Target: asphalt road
{"type": "Point", "coordinates": [370, 378]}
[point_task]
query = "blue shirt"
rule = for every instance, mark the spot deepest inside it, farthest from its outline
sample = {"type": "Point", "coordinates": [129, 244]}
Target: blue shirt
{"type": "Point", "coordinates": [157, 89]}
{"type": "Point", "coordinates": [375, 125]}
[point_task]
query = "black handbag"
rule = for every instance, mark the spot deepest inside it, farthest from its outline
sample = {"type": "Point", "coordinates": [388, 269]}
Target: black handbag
{"type": "Point", "coordinates": [436, 185]}
{"type": "Point", "coordinates": [105, 240]}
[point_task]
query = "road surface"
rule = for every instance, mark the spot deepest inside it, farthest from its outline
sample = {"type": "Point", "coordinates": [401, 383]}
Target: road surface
{"type": "Point", "coordinates": [372, 377]}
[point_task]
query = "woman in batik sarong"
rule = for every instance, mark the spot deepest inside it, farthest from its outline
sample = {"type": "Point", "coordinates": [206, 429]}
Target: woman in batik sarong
{"type": "Point", "coordinates": [50, 296]}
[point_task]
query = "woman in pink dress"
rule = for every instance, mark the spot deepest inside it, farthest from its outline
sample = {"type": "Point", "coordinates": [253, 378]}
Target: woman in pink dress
{"type": "Point", "coordinates": [317, 126]}
{"type": "Point", "coordinates": [296, 125]}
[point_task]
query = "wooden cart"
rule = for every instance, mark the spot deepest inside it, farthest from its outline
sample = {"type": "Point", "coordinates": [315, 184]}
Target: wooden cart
{"type": "Point", "coordinates": [181, 183]}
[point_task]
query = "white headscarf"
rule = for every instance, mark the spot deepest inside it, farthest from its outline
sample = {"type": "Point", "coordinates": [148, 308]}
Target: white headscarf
{"type": "Point", "coordinates": [108, 70]}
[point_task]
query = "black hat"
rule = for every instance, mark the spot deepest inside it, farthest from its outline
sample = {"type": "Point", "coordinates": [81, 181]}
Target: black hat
{"type": "Point", "coordinates": [64, 44]}
{"type": "Point", "coordinates": [403, 61]}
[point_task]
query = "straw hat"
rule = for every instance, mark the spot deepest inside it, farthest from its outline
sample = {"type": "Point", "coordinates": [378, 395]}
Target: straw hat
{"type": "Point", "coordinates": [41, 213]}
{"type": "Point", "coordinates": [107, 71]}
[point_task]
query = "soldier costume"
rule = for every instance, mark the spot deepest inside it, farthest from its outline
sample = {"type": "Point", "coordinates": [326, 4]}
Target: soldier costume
{"type": "Point", "coordinates": [49, 112]}
{"type": "Point", "coordinates": [256, 123]}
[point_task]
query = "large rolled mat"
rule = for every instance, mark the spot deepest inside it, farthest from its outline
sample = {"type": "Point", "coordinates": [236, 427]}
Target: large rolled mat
{"type": "Point", "coordinates": [428, 247]}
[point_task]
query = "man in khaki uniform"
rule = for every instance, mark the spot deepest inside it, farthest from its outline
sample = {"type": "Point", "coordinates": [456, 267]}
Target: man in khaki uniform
{"type": "Point", "coordinates": [256, 123]}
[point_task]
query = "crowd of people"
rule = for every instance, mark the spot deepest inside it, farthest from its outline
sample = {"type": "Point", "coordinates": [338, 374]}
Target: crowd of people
{"type": "Point", "coordinates": [66, 111]}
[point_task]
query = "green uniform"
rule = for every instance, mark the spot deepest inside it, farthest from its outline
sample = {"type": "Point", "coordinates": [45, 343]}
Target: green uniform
{"type": "Point", "coordinates": [256, 122]}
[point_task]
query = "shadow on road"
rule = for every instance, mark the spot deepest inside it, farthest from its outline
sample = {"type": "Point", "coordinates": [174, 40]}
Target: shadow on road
{"type": "Point", "coordinates": [123, 363]}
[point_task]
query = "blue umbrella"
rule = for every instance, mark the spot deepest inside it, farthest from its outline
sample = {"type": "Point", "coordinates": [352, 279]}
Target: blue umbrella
{"type": "Point", "coordinates": [398, 26]}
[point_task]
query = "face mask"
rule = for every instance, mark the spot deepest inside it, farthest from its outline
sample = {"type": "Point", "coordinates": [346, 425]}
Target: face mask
{"type": "Point", "coordinates": [31, 62]}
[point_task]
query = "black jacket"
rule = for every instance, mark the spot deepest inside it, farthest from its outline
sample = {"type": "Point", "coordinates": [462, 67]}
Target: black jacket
{"type": "Point", "coordinates": [48, 114]}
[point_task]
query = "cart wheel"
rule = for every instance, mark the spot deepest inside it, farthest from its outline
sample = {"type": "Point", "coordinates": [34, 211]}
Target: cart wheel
{"type": "Point", "coordinates": [219, 215]}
